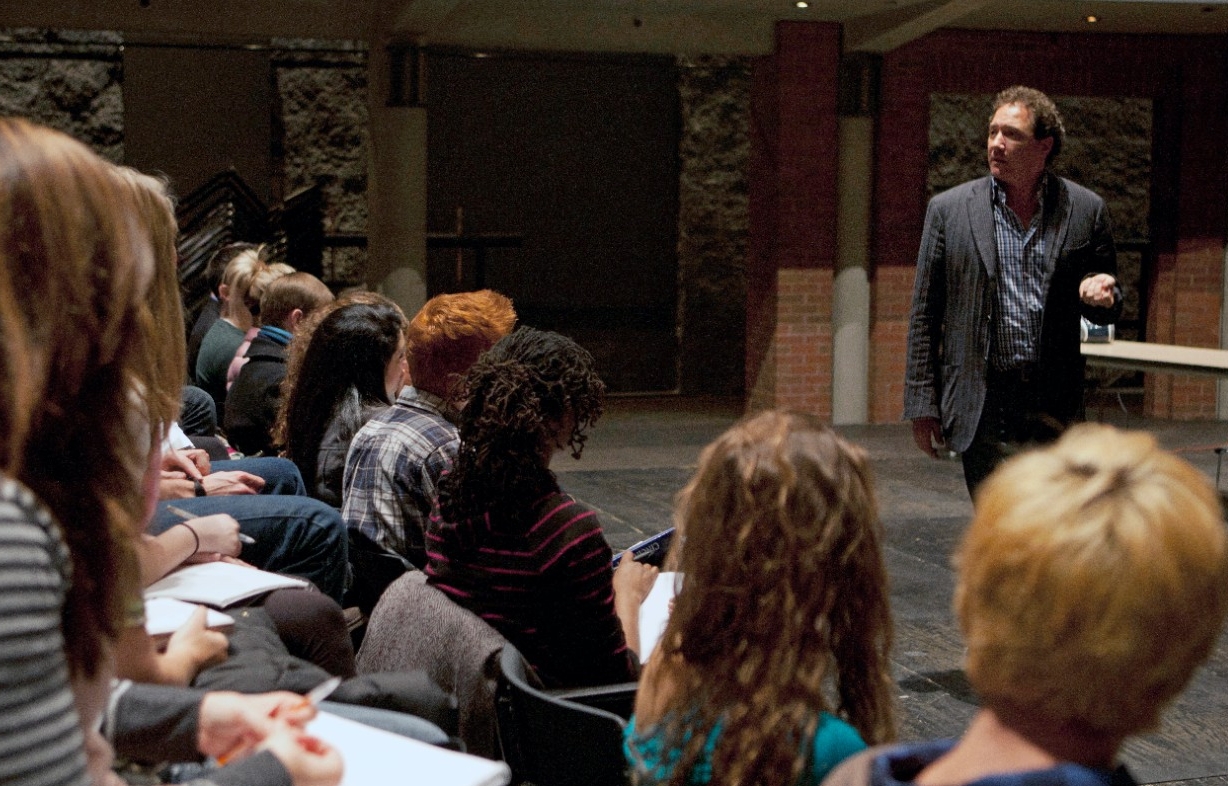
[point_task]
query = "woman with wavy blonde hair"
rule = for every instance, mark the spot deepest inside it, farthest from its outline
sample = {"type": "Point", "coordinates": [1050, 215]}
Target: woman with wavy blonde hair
{"type": "Point", "coordinates": [783, 604]}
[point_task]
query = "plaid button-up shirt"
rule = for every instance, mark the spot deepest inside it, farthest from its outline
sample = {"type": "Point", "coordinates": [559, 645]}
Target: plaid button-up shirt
{"type": "Point", "coordinates": [1022, 285]}
{"type": "Point", "coordinates": [392, 472]}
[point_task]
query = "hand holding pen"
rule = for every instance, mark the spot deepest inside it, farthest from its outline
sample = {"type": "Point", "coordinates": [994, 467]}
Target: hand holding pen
{"type": "Point", "coordinates": [214, 535]}
{"type": "Point", "coordinates": [233, 725]}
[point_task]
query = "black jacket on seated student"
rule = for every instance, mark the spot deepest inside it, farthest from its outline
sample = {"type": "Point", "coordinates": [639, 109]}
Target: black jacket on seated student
{"type": "Point", "coordinates": [251, 404]}
{"type": "Point", "coordinates": [253, 399]}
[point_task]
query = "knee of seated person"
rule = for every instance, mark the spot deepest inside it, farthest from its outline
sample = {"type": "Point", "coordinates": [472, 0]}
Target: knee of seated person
{"type": "Point", "coordinates": [281, 476]}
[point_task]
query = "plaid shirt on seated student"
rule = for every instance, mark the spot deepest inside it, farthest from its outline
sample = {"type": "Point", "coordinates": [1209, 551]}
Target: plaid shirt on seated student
{"type": "Point", "coordinates": [393, 469]}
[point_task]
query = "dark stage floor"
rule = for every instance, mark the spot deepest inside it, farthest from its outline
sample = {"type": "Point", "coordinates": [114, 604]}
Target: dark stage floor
{"type": "Point", "coordinates": [644, 450]}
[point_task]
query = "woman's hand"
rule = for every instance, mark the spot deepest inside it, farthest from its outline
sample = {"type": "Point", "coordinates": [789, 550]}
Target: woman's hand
{"type": "Point", "coordinates": [632, 583]}
{"type": "Point", "coordinates": [192, 464]}
{"type": "Point", "coordinates": [633, 580]}
{"type": "Point", "coordinates": [218, 534]}
{"type": "Point", "coordinates": [234, 723]}
{"type": "Point", "coordinates": [232, 482]}
{"type": "Point", "coordinates": [194, 647]}
{"type": "Point", "coordinates": [310, 760]}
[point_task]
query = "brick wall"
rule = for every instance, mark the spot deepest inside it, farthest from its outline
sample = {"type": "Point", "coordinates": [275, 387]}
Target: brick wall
{"type": "Point", "coordinates": [793, 212]}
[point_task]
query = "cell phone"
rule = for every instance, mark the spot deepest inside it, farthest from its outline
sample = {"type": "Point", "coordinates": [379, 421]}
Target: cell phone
{"type": "Point", "coordinates": [650, 551]}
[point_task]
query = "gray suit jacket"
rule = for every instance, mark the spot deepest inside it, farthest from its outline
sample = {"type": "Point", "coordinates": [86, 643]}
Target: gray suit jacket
{"type": "Point", "coordinates": [956, 291]}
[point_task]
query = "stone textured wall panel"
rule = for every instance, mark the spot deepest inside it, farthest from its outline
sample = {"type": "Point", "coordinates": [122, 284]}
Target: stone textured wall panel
{"type": "Point", "coordinates": [68, 81]}
{"type": "Point", "coordinates": [323, 139]}
{"type": "Point", "coordinates": [713, 224]}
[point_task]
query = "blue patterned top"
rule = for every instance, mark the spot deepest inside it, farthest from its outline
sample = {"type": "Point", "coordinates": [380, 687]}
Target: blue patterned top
{"type": "Point", "coordinates": [834, 741]}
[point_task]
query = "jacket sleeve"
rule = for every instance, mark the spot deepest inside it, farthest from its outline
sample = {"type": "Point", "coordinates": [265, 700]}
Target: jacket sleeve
{"type": "Point", "coordinates": [153, 722]}
{"type": "Point", "coordinates": [159, 723]}
{"type": "Point", "coordinates": [922, 381]}
{"type": "Point", "coordinates": [1101, 257]}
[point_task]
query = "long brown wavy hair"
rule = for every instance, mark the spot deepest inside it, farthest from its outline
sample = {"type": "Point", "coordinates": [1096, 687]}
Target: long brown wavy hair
{"type": "Point", "coordinates": [783, 603]}
{"type": "Point", "coordinates": [75, 265]}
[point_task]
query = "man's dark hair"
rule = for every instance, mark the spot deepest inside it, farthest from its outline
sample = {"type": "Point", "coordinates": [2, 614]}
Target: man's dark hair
{"type": "Point", "coordinates": [1046, 120]}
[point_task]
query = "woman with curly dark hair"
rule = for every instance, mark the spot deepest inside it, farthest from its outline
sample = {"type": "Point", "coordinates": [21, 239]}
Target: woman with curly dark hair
{"type": "Point", "coordinates": [508, 544]}
{"type": "Point", "coordinates": [783, 608]}
{"type": "Point", "coordinates": [348, 366]}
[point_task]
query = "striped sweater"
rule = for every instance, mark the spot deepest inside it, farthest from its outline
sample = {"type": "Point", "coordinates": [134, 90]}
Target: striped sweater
{"type": "Point", "coordinates": [40, 738]}
{"type": "Point", "coordinates": [546, 585]}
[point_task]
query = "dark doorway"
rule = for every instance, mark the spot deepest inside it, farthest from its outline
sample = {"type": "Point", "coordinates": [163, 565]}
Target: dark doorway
{"type": "Point", "coordinates": [565, 169]}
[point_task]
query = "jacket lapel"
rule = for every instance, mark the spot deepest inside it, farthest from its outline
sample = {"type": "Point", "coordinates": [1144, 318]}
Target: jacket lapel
{"type": "Point", "coordinates": [980, 220]}
{"type": "Point", "coordinates": [1057, 221]}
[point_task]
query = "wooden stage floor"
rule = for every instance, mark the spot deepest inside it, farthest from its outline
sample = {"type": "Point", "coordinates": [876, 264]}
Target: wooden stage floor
{"type": "Point", "coordinates": [644, 450]}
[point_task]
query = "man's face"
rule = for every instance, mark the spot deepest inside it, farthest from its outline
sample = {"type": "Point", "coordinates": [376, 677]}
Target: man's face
{"type": "Point", "coordinates": [1016, 157]}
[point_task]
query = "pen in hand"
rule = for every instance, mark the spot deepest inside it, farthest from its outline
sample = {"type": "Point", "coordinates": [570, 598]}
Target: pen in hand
{"type": "Point", "coordinates": [311, 698]}
{"type": "Point", "coordinates": [183, 514]}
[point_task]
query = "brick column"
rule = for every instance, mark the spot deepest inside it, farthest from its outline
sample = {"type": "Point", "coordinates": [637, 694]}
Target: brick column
{"type": "Point", "coordinates": [793, 221]}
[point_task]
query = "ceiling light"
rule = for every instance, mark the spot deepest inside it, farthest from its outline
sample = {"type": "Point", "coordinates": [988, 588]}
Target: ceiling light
{"type": "Point", "coordinates": [802, 4]}
{"type": "Point", "coordinates": [1092, 19]}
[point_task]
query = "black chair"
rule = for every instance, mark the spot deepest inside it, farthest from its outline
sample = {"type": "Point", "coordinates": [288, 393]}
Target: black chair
{"type": "Point", "coordinates": [552, 739]}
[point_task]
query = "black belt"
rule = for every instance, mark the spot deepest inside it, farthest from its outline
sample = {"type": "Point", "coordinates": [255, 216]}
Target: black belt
{"type": "Point", "coordinates": [1023, 376]}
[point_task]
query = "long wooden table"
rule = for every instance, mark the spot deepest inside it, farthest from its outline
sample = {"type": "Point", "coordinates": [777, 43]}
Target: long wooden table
{"type": "Point", "coordinates": [1167, 358]}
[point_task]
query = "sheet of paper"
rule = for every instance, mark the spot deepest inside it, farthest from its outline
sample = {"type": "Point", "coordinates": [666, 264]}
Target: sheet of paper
{"type": "Point", "coordinates": [218, 584]}
{"type": "Point", "coordinates": [654, 611]}
{"type": "Point", "coordinates": [374, 757]}
{"type": "Point", "coordinates": [164, 616]}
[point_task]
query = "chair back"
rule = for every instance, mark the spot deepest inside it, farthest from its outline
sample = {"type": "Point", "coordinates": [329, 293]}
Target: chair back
{"type": "Point", "coordinates": [415, 626]}
{"type": "Point", "coordinates": [549, 740]}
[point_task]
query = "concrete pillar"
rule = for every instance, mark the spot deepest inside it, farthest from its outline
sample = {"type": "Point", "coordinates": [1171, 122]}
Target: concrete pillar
{"type": "Point", "coordinates": [850, 400]}
{"type": "Point", "coordinates": [858, 103]}
{"type": "Point", "coordinates": [396, 189]}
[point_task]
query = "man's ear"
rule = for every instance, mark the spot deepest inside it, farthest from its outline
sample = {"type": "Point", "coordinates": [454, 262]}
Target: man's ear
{"type": "Point", "coordinates": [292, 321]}
{"type": "Point", "coordinates": [223, 292]}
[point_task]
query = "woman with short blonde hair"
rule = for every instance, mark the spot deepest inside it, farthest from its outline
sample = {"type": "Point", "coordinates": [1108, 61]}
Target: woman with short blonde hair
{"type": "Point", "coordinates": [1092, 583]}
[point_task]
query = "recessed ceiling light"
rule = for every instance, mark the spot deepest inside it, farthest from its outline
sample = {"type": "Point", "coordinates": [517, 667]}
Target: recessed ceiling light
{"type": "Point", "coordinates": [1091, 20]}
{"type": "Point", "coordinates": [802, 4]}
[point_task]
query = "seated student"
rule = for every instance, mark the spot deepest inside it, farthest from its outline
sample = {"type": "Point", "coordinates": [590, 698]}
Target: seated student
{"type": "Point", "coordinates": [255, 293]}
{"type": "Point", "coordinates": [396, 459]}
{"type": "Point", "coordinates": [292, 532]}
{"type": "Point", "coordinates": [253, 400]}
{"type": "Point", "coordinates": [773, 666]}
{"type": "Point", "coordinates": [506, 543]}
{"type": "Point", "coordinates": [218, 347]}
{"type": "Point", "coordinates": [211, 311]}
{"type": "Point", "coordinates": [349, 368]}
{"type": "Point", "coordinates": [293, 639]}
{"type": "Point", "coordinates": [1092, 582]}
{"type": "Point", "coordinates": [70, 493]}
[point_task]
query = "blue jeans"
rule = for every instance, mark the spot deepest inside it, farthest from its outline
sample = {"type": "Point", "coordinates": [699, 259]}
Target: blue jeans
{"type": "Point", "coordinates": [281, 476]}
{"type": "Point", "coordinates": [294, 533]}
{"type": "Point", "coordinates": [197, 412]}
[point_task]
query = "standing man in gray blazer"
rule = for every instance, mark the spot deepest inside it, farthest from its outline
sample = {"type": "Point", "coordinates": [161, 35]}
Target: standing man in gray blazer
{"type": "Point", "coordinates": [1007, 266]}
